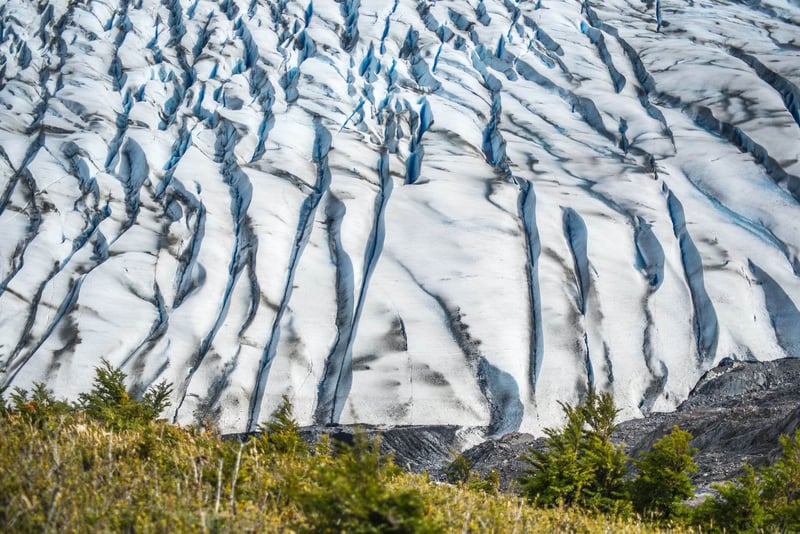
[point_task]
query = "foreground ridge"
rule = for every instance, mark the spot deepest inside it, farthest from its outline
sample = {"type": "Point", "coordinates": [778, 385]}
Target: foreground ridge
{"type": "Point", "coordinates": [397, 213]}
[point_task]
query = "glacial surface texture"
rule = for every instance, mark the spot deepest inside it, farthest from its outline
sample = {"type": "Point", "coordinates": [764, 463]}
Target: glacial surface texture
{"type": "Point", "coordinates": [398, 212]}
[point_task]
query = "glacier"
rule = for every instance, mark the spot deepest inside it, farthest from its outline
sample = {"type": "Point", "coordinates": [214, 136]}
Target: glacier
{"type": "Point", "coordinates": [398, 212]}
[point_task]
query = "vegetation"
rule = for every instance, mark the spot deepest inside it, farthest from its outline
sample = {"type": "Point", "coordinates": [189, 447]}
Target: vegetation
{"type": "Point", "coordinates": [460, 472]}
{"type": "Point", "coordinates": [580, 466]}
{"type": "Point", "coordinates": [106, 463]}
{"type": "Point", "coordinates": [763, 501]}
{"type": "Point", "coordinates": [663, 482]}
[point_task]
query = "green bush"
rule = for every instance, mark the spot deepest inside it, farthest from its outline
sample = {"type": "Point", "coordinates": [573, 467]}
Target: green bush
{"type": "Point", "coordinates": [663, 480]}
{"type": "Point", "coordinates": [459, 471]}
{"type": "Point", "coordinates": [580, 465]}
{"type": "Point", "coordinates": [36, 406]}
{"type": "Point", "coordinates": [739, 507]}
{"type": "Point", "coordinates": [281, 434]}
{"type": "Point", "coordinates": [351, 492]}
{"type": "Point", "coordinates": [109, 401]}
{"type": "Point", "coordinates": [766, 500]}
{"type": "Point", "coordinates": [781, 486]}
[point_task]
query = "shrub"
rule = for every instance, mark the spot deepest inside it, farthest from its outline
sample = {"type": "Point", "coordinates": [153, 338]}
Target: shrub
{"type": "Point", "coordinates": [36, 406]}
{"type": "Point", "coordinates": [351, 492]}
{"type": "Point", "coordinates": [738, 508]}
{"type": "Point", "coordinates": [281, 434]}
{"type": "Point", "coordinates": [579, 465]}
{"type": "Point", "coordinates": [460, 472]}
{"type": "Point", "coordinates": [109, 401]}
{"type": "Point", "coordinates": [767, 500]}
{"type": "Point", "coordinates": [663, 480]}
{"type": "Point", "coordinates": [781, 486]}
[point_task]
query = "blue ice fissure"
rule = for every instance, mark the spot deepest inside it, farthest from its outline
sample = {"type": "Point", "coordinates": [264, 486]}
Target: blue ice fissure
{"type": "Point", "coordinates": [527, 211]}
{"type": "Point", "coordinates": [122, 127]}
{"type": "Point", "coordinates": [321, 147]}
{"type": "Point", "coordinates": [34, 222]}
{"type": "Point", "coordinates": [366, 63]}
{"type": "Point", "coordinates": [341, 361]}
{"type": "Point", "coordinates": [587, 362]}
{"type": "Point", "coordinates": [188, 268]}
{"type": "Point", "coordinates": [349, 12]}
{"type": "Point", "coordinates": [133, 171]}
{"type": "Point", "coordinates": [421, 73]}
{"type": "Point", "coordinates": [414, 164]}
{"type": "Point", "coordinates": [425, 119]}
{"type": "Point", "coordinates": [179, 148]}
{"type": "Point", "coordinates": [334, 386]}
{"type": "Point", "coordinates": [64, 308]}
{"type": "Point", "coordinates": [577, 239]}
{"type": "Point", "coordinates": [705, 118]}
{"type": "Point", "coordinates": [498, 388]}
{"type": "Point", "coordinates": [790, 93]}
{"type": "Point", "coordinates": [596, 38]}
{"type": "Point", "coordinates": [756, 228]}
{"type": "Point", "coordinates": [157, 329]}
{"type": "Point", "coordinates": [783, 313]}
{"type": "Point", "coordinates": [706, 330]}
{"type": "Point", "coordinates": [502, 394]}
{"type": "Point", "coordinates": [650, 254]}
{"type": "Point", "coordinates": [245, 243]}
{"type": "Point", "coordinates": [481, 13]}
{"type": "Point", "coordinates": [542, 36]}
{"type": "Point", "coordinates": [494, 146]}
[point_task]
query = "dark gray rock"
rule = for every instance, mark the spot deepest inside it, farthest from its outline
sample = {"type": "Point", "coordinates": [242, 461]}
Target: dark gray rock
{"type": "Point", "coordinates": [736, 413]}
{"type": "Point", "coordinates": [416, 448]}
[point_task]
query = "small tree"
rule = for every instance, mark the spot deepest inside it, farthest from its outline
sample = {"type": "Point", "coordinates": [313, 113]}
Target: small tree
{"type": "Point", "coordinates": [663, 480]}
{"type": "Point", "coordinates": [739, 507]}
{"type": "Point", "coordinates": [35, 406]}
{"type": "Point", "coordinates": [459, 470]}
{"type": "Point", "coordinates": [282, 433]}
{"type": "Point", "coordinates": [767, 500]}
{"type": "Point", "coordinates": [110, 402]}
{"type": "Point", "coordinates": [606, 461]}
{"type": "Point", "coordinates": [352, 491]}
{"type": "Point", "coordinates": [555, 475]}
{"type": "Point", "coordinates": [781, 486]}
{"type": "Point", "coordinates": [580, 465]}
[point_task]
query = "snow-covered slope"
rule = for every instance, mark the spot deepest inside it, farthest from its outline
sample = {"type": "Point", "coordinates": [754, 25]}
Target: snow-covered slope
{"type": "Point", "coordinates": [398, 212]}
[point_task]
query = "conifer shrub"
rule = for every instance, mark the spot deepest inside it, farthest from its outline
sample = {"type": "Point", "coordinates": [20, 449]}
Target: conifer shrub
{"type": "Point", "coordinates": [580, 465]}
{"type": "Point", "coordinates": [738, 508]}
{"type": "Point", "coordinates": [352, 492]}
{"type": "Point", "coordinates": [35, 406]}
{"type": "Point", "coordinates": [281, 434]}
{"type": "Point", "coordinates": [663, 481]}
{"type": "Point", "coordinates": [109, 401]}
{"type": "Point", "coordinates": [764, 500]}
{"type": "Point", "coordinates": [781, 486]}
{"type": "Point", "coordinates": [460, 472]}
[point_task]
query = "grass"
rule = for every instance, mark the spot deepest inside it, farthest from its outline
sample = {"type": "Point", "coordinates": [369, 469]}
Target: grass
{"type": "Point", "coordinates": [70, 472]}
